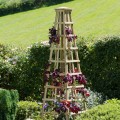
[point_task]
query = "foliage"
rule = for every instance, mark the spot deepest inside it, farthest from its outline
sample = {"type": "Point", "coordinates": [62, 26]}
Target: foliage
{"type": "Point", "coordinates": [13, 6]}
{"type": "Point", "coordinates": [24, 70]}
{"type": "Point", "coordinates": [94, 99]}
{"type": "Point", "coordinates": [108, 111]}
{"type": "Point", "coordinates": [31, 70]}
{"type": "Point", "coordinates": [32, 110]}
{"type": "Point", "coordinates": [27, 109]}
{"type": "Point", "coordinates": [102, 66]}
{"type": "Point", "coordinates": [8, 104]}
{"type": "Point", "coordinates": [8, 59]}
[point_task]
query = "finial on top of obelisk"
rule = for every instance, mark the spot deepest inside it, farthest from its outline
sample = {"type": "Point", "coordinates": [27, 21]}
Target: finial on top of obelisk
{"type": "Point", "coordinates": [63, 8]}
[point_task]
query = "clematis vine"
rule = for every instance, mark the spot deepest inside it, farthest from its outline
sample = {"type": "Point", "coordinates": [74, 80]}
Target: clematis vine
{"type": "Point", "coordinates": [68, 78]}
{"type": "Point", "coordinates": [55, 73]}
{"type": "Point", "coordinates": [66, 105]}
{"type": "Point", "coordinates": [69, 34]}
{"type": "Point", "coordinates": [53, 37]}
{"type": "Point", "coordinates": [81, 79]}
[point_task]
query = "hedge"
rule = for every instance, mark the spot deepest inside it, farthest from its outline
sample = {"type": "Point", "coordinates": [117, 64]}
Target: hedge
{"type": "Point", "coordinates": [102, 66]}
{"type": "Point", "coordinates": [14, 6]}
{"type": "Point", "coordinates": [108, 111]}
{"type": "Point", "coordinates": [8, 104]}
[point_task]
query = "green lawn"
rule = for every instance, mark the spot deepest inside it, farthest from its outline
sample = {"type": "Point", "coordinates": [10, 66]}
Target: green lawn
{"type": "Point", "coordinates": [92, 18]}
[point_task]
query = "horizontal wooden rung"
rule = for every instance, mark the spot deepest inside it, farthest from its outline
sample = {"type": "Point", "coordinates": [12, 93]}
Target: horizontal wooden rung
{"type": "Point", "coordinates": [62, 74]}
{"type": "Point", "coordinates": [78, 112]}
{"type": "Point", "coordinates": [73, 48]}
{"type": "Point", "coordinates": [70, 48]}
{"type": "Point", "coordinates": [52, 86]}
{"type": "Point", "coordinates": [67, 23]}
{"type": "Point", "coordinates": [63, 61]}
{"type": "Point", "coordinates": [48, 99]}
{"type": "Point", "coordinates": [79, 86]}
{"type": "Point", "coordinates": [59, 61]}
{"type": "Point", "coordinates": [56, 87]}
{"type": "Point", "coordinates": [70, 61]}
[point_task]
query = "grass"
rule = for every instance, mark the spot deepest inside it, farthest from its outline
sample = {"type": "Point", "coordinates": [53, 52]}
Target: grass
{"type": "Point", "coordinates": [92, 18]}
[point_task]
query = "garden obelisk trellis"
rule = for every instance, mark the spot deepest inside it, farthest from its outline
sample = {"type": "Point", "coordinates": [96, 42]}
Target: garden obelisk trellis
{"type": "Point", "coordinates": [63, 73]}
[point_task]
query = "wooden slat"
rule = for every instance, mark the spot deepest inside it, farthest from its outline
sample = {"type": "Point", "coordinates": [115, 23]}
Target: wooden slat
{"type": "Point", "coordinates": [48, 99]}
{"type": "Point", "coordinates": [67, 48]}
{"type": "Point", "coordinates": [71, 61]}
{"type": "Point", "coordinates": [51, 86]}
{"type": "Point", "coordinates": [63, 61]}
{"type": "Point", "coordinates": [62, 74]}
{"type": "Point", "coordinates": [80, 112]}
{"type": "Point", "coordinates": [77, 86]}
{"type": "Point", "coordinates": [66, 23]}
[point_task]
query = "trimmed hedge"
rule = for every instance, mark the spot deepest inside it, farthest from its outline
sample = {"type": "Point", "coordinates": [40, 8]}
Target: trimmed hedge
{"type": "Point", "coordinates": [102, 66]}
{"type": "Point", "coordinates": [8, 104]}
{"type": "Point", "coordinates": [108, 111]}
{"type": "Point", "coordinates": [14, 6]}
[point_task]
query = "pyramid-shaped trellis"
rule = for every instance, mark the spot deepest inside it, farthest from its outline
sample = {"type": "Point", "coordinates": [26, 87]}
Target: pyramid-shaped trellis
{"type": "Point", "coordinates": [64, 89]}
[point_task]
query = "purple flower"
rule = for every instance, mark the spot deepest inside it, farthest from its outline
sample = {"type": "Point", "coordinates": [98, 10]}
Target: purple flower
{"type": "Point", "coordinates": [67, 78]}
{"type": "Point", "coordinates": [55, 74]}
{"type": "Point", "coordinates": [68, 30]}
{"type": "Point", "coordinates": [45, 106]}
{"type": "Point", "coordinates": [57, 109]}
{"type": "Point", "coordinates": [61, 104]}
{"type": "Point", "coordinates": [81, 79]}
{"type": "Point", "coordinates": [63, 109]}
{"type": "Point", "coordinates": [53, 36]}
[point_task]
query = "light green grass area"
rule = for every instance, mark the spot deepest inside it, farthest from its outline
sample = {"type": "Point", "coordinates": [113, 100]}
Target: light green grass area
{"type": "Point", "coordinates": [92, 18]}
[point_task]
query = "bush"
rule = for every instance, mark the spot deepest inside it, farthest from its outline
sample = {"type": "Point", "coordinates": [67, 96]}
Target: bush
{"type": "Point", "coordinates": [13, 6]}
{"type": "Point", "coordinates": [102, 66]}
{"type": "Point", "coordinates": [32, 110]}
{"type": "Point", "coordinates": [8, 104]}
{"type": "Point", "coordinates": [29, 72]}
{"type": "Point", "coordinates": [108, 111]}
{"type": "Point", "coordinates": [24, 70]}
{"type": "Point", "coordinates": [8, 59]}
{"type": "Point", "coordinates": [27, 109]}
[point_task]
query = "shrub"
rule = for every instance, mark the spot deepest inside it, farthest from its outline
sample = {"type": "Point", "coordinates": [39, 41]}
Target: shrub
{"type": "Point", "coordinates": [102, 66]}
{"type": "Point", "coordinates": [8, 104]}
{"type": "Point", "coordinates": [8, 60]}
{"type": "Point", "coordinates": [29, 72]}
{"type": "Point", "coordinates": [108, 111]}
{"type": "Point", "coordinates": [32, 110]}
{"type": "Point", "coordinates": [27, 109]}
{"type": "Point", "coordinates": [24, 70]}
